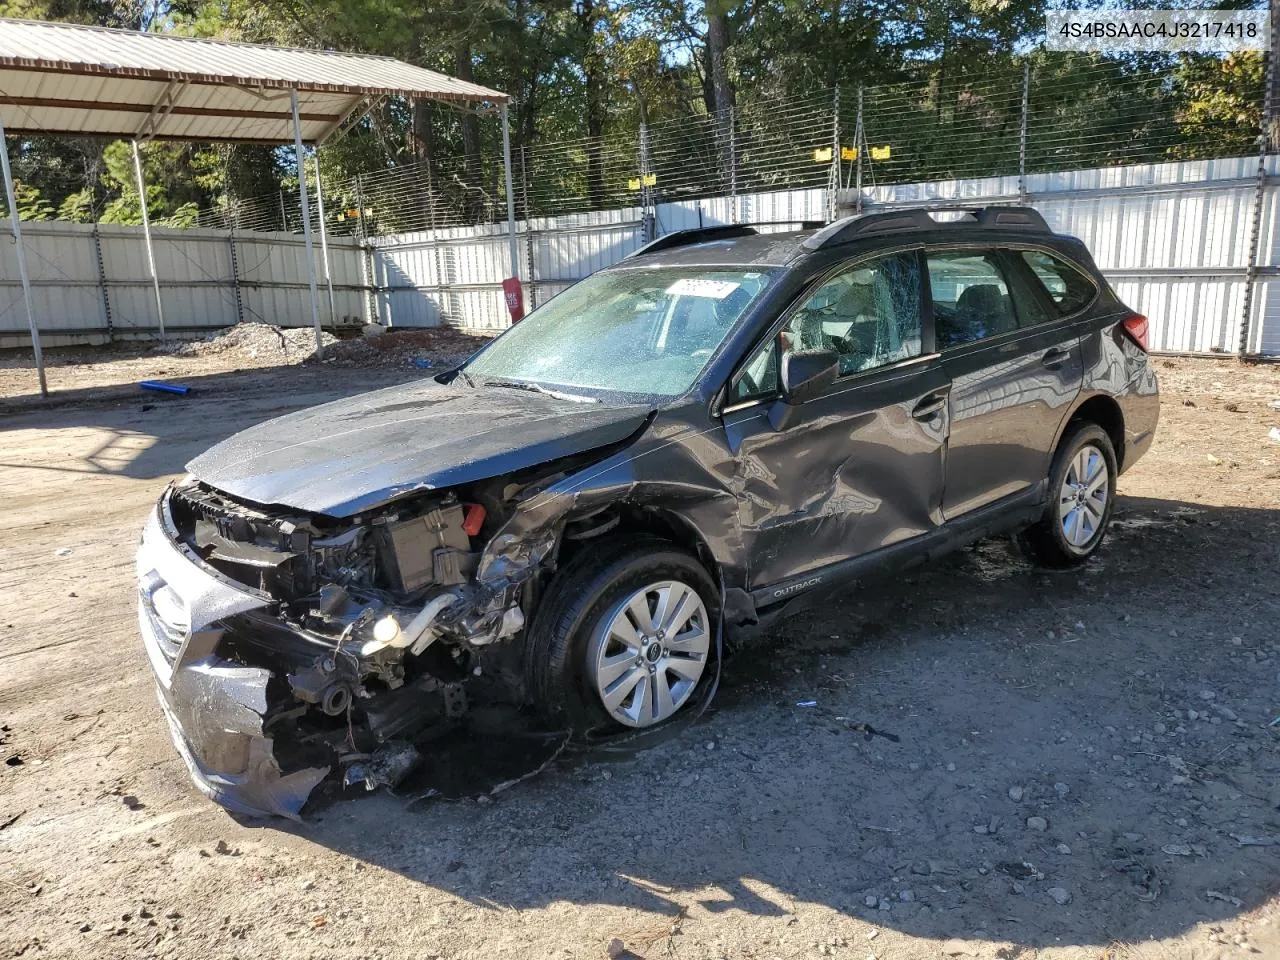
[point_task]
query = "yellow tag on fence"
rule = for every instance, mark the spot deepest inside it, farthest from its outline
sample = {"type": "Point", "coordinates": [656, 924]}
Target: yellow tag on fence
{"type": "Point", "coordinates": [633, 183]}
{"type": "Point", "coordinates": [651, 180]}
{"type": "Point", "coordinates": [881, 153]}
{"type": "Point", "coordinates": [848, 153]}
{"type": "Point", "coordinates": [823, 156]}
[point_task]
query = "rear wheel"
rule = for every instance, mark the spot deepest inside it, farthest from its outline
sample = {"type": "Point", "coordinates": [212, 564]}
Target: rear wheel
{"type": "Point", "coordinates": [1081, 497]}
{"type": "Point", "coordinates": [624, 635]}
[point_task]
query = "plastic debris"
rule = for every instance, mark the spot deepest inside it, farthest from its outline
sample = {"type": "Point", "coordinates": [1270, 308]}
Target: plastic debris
{"type": "Point", "coordinates": [1275, 434]}
{"type": "Point", "coordinates": [806, 703]}
{"type": "Point", "coordinates": [159, 386]}
{"type": "Point", "coordinates": [422, 364]}
{"type": "Point", "coordinates": [386, 767]}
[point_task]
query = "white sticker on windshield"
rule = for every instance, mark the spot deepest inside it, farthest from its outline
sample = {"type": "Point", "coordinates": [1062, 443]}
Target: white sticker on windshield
{"type": "Point", "coordinates": [699, 287]}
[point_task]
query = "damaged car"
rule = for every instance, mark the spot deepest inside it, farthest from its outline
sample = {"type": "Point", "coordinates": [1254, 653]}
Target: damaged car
{"type": "Point", "coordinates": [680, 448]}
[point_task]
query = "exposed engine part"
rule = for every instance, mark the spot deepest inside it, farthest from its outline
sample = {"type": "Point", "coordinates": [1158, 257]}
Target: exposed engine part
{"type": "Point", "coordinates": [318, 684]}
{"type": "Point", "coordinates": [413, 707]}
{"type": "Point", "coordinates": [335, 699]}
{"type": "Point", "coordinates": [431, 548]}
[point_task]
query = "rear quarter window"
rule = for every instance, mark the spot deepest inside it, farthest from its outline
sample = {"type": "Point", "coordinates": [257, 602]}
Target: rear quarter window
{"type": "Point", "coordinates": [1070, 288]}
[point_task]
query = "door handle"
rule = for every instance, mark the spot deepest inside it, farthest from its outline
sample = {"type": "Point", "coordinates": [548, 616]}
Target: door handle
{"type": "Point", "coordinates": [1054, 358]}
{"type": "Point", "coordinates": [929, 407]}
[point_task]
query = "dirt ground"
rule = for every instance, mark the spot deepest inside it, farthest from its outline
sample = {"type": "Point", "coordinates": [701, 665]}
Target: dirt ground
{"type": "Point", "coordinates": [1086, 764]}
{"type": "Point", "coordinates": [113, 371]}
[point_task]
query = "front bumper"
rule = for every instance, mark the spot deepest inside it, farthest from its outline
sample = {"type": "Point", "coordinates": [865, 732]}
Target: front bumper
{"type": "Point", "coordinates": [215, 708]}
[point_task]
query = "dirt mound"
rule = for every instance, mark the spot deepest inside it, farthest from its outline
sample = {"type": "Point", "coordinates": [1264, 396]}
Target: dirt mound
{"type": "Point", "coordinates": [256, 341]}
{"type": "Point", "coordinates": [431, 348]}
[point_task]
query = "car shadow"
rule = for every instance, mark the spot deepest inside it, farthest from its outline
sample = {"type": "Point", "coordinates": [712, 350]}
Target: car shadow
{"type": "Point", "coordinates": [993, 752]}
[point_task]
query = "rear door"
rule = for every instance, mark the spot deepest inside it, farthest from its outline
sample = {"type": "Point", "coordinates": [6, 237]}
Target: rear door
{"type": "Point", "coordinates": [1015, 367]}
{"type": "Point", "coordinates": [859, 467]}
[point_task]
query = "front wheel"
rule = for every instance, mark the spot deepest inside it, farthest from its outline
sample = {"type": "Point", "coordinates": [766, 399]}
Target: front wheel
{"type": "Point", "coordinates": [1081, 497]}
{"type": "Point", "coordinates": [624, 636]}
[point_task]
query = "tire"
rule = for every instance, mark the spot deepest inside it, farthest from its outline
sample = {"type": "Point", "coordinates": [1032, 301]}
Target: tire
{"type": "Point", "coordinates": [1075, 521]}
{"type": "Point", "coordinates": [571, 652]}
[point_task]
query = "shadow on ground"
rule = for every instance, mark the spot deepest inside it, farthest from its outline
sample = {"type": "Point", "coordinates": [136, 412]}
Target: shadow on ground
{"type": "Point", "coordinates": [1081, 758]}
{"type": "Point", "coordinates": [129, 432]}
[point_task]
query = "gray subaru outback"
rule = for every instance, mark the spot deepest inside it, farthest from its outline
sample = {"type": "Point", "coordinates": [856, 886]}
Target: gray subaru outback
{"type": "Point", "coordinates": [676, 450]}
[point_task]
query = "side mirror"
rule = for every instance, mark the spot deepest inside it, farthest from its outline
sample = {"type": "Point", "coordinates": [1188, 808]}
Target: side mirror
{"type": "Point", "coordinates": [807, 374]}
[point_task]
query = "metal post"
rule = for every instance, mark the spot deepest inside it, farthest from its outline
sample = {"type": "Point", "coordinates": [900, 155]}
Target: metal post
{"type": "Point", "coordinates": [733, 166]}
{"type": "Point", "coordinates": [833, 178]}
{"type": "Point", "coordinates": [1259, 199]}
{"type": "Point", "coordinates": [324, 245]}
{"type": "Point", "coordinates": [647, 220]}
{"type": "Point", "coordinates": [146, 234]}
{"type": "Point", "coordinates": [530, 263]}
{"type": "Point", "coordinates": [235, 261]}
{"type": "Point", "coordinates": [1022, 134]}
{"type": "Point", "coordinates": [15, 224]}
{"type": "Point", "coordinates": [511, 197]}
{"type": "Point", "coordinates": [366, 255]}
{"type": "Point", "coordinates": [860, 145]}
{"type": "Point", "coordinates": [102, 280]}
{"type": "Point", "coordinates": [306, 222]}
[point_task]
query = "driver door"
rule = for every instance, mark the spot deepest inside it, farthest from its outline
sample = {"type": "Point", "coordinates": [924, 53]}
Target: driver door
{"type": "Point", "coordinates": [860, 466]}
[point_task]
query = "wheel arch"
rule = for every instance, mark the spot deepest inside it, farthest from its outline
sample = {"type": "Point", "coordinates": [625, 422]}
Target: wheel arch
{"type": "Point", "coordinates": [1103, 410]}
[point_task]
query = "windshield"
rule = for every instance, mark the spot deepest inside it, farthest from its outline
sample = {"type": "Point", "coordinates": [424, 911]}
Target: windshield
{"type": "Point", "coordinates": [646, 331]}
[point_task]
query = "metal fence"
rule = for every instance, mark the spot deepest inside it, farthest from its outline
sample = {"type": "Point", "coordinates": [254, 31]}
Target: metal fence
{"type": "Point", "coordinates": [92, 282]}
{"type": "Point", "coordinates": [1175, 239]}
{"type": "Point", "coordinates": [1016, 118]}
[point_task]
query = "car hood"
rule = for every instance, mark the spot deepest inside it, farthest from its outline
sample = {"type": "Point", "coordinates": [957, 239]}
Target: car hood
{"type": "Point", "coordinates": [344, 457]}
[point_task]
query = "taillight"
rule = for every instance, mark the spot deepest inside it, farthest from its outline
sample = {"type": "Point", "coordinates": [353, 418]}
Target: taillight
{"type": "Point", "coordinates": [1135, 325]}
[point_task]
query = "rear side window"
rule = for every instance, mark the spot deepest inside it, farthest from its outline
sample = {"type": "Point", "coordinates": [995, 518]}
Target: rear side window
{"type": "Point", "coordinates": [970, 297]}
{"type": "Point", "coordinates": [1069, 287]}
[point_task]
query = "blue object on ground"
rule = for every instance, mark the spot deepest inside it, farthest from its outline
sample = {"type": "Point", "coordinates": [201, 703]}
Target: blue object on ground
{"type": "Point", "coordinates": [424, 364]}
{"type": "Point", "coordinates": [161, 387]}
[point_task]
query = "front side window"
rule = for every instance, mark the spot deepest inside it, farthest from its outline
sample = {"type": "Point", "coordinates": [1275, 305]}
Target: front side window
{"type": "Point", "coordinates": [648, 331]}
{"type": "Point", "coordinates": [868, 314]}
{"type": "Point", "coordinates": [1068, 287]}
{"type": "Point", "coordinates": [970, 297]}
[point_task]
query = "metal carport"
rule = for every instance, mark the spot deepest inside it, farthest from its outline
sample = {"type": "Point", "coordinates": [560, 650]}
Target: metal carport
{"type": "Point", "coordinates": [73, 80]}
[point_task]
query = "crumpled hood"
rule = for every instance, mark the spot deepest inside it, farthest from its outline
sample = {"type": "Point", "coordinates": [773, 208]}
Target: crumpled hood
{"type": "Point", "coordinates": [349, 455]}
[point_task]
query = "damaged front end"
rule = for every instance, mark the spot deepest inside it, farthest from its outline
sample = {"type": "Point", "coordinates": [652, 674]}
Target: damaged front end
{"type": "Point", "coordinates": [288, 645]}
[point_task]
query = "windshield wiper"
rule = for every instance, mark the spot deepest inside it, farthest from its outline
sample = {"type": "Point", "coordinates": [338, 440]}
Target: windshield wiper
{"type": "Point", "coordinates": [467, 377]}
{"type": "Point", "coordinates": [539, 388]}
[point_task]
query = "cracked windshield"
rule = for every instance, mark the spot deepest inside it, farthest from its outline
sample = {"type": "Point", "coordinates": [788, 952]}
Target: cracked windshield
{"type": "Point", "coordinates": [635, 331]}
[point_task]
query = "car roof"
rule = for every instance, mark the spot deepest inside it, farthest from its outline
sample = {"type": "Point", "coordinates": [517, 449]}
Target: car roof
{"type": "Point", "coordinates": [751, 249]}
{"type": "Point", "coordinates": [746, 245]}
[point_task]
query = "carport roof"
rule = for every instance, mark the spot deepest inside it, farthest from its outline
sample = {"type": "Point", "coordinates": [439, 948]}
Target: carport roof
{"type": "Point", "coordinates": [68, 79]}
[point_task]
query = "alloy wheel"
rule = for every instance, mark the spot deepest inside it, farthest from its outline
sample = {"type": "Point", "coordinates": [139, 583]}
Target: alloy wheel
{"type": "Point", "coordinates": [1082, 502]}
{"type": "Point", "coordinates": [650, 652]}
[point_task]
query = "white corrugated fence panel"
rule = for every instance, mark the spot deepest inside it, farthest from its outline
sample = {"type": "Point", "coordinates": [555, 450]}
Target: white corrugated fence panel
{"type": "Point", "coordinates": [63, 269]}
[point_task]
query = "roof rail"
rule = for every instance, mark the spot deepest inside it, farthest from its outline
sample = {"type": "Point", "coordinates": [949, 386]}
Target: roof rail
{"type": "Point", "coordinates": [918, 218]}
{"type": "Point", "coordinates": [682, 238]}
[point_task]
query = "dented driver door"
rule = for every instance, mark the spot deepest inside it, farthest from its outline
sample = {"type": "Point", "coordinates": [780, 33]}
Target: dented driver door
{"type": "Point", "coordinates": [859, 467]}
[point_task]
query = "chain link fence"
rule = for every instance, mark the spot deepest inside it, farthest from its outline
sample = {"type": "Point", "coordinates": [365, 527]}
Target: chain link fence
{"type": "Point", "coordinates": [1062, 113]}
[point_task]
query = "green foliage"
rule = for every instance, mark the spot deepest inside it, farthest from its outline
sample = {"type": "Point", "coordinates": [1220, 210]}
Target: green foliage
{"type": "Point", "coordinates": [31, 205]}
{"type": "Point", "coordinates": [943, 88]}
{"type": "Point", "coordinates": [77, 207]}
